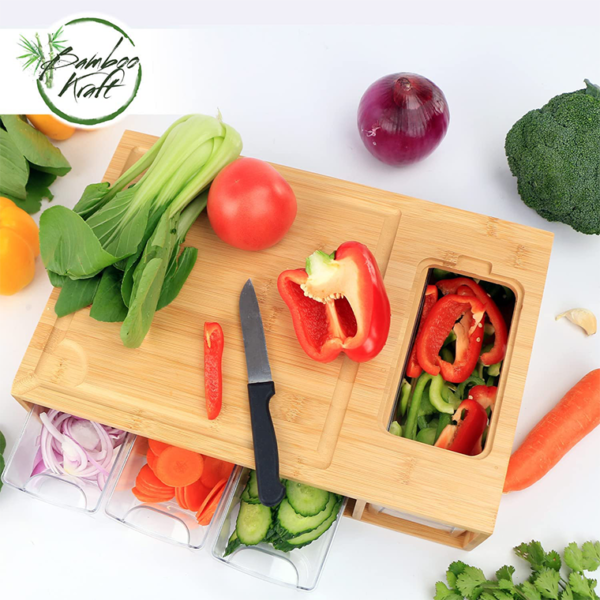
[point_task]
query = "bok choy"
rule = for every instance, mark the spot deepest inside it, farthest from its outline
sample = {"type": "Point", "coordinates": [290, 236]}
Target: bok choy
{"type": "Point", "coordinates": [118, 249]}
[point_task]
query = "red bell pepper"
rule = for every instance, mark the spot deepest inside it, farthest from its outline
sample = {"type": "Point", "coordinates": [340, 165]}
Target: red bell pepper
{"type": "Point", "coordinates": [213, 378]}
{"type": "Point", "coordinates": [469, 337]}
{"type": "Point", "coordinates": [413, 368]}
{"type": "Point", "coordinates": [498, 350]}
{"type": "Point", "coordinates": [471, 420]}
{"type": "Point", "coordinates": [338, 304]}
{"type": "Point", "coordinates": [485, 395]}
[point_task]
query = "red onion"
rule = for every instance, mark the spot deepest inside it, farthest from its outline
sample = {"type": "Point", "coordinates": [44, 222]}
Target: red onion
{"type": "Point", "coordinates": [402, 118]}
{"type": "Point", "coordinates": [78, 447]}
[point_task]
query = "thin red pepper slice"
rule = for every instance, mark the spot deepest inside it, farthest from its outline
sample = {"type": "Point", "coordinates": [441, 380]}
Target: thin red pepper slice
{"type": "Point", "coordinates": [441, 320]}
{"type": "Point", "coordinates": [213, 377]}
{"type": "Point", "coordinates": [498, 350]}
{"type": "Point", "coordinates": [471, 420]}
{"type": "Point", "coordinates": [413, 368]}
{"type": "Point", "coordinates": [485, 395]}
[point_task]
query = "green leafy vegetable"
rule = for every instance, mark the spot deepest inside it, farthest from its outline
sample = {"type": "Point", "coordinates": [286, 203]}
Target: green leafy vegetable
{"type": "Point", "coordinates": [139, 229]}
{"type": "Point", "coordinates": [545, 582]}
{"type": "Point", "coordinates": [76, 294]}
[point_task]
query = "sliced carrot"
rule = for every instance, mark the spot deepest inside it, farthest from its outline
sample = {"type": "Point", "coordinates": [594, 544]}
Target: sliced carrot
{"type": "Point", "coordinates": [151, 458]}
{"type": "Point", "coordinates": [178, 467]}
{"type": "Point", "coordinates": [148, 479]}
{"type": "Point", "coordinates": [195, 495]}
{"type": "Point", "coordinates": [180, 497]}
{"type": "Point", "coordinates": [144, 497]}
{"type": "Point", "coordinates": [209, 506]}
{"type": "Point", "coordinates": [157, 447]}
{"type": "Point", "coordinates": [574, 417]}
{"type": "Point", "coordinates": [158, 496]}
{"type": "Point", "coordinates": [215, 470]}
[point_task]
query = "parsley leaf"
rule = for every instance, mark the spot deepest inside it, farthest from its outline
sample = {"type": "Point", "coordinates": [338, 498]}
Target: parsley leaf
{"type": "Point", "coordinates": [443, 593]}
{"type": "Point", "coordinates": [547, 583]}
{"type": "Point", "coordinates": [469, 581]}
{"type": "Point", "coordinates": [581, 585]}
{"type": "Point", "coordinates": [505, 572]}
{"type": "Point", "coordinates": [567, 594]}
{"type": "Point", "coordinates": [591, 556]}
{"type": "Point", "coordinates": [552, 560]}
{"type": "Point", "coordinates": [574, 557]}
{"type": "Point", "coordinates": [502, 595]}
{"type": "Point", "coordinates": [486, 596]}
{"type": "Point", "coordinates": [529, 591]}
{"type": "Point", "coordinates": [533, 553]}
{"type": "Point", "coordinates": [457, 567]}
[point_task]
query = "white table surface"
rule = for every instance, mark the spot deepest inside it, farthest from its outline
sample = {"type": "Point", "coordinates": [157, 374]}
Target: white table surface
{"type": "Point", "coordinates": [293, 94]}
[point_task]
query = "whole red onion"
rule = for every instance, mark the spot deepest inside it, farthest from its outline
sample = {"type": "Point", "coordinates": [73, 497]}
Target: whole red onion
{"type": "Point", "coordinates": [402, 118]}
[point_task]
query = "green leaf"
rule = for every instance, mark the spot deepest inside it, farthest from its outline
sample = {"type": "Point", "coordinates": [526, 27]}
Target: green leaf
{"type": "Point", "coordinates": [505, 572]}
{"type": "Point", "coordinates": [591, 556]}
{"type": "Point", "coordinates": [502, 595]}
{"type": "Point", "coordinates": [505, 584]}
{"type": "Point", "coordinates": [91, 199]}
{"type": "Point", "coordinates": [457, 567]}
{"type": "Point", "coordinates": [533, 553]}
{"type": "Point", "coordinates": [69, 247]}
{"type": "Point", "coordinates": [120, 224]}
{"type": "Point", "coordinates": [581, 585]}
{"type": "Point", "coordinates": [529, 591]}
{"type": "Point", "coordinates": [76, 294]}
{"type": "Point", "coordinates": [108, 304]}
{"type": "Point", "coordinates": [469, 581]}
{"type": "Point", "coordinates": [443, 593]}
{"type": "Point", "coordinates": [574, 557]}
{"type": "Point", "coordinates": [127, 284]}
{"type": "Point", "coordinates": [547, 583]}
{"type": "Point", "coordinates": [486, 596]}
{"type": "Point", "coordinates": [176, 276]}
{"type": "Point", "coordinates": [56, 280]}
{"type": "Point", "coordinates": [2, 443]}
{"type": "Point", "coordinates": [38, 188]}
{"type": "Point", "coordinates": [552, 560]}
{"type": "Point", "coordinates": [35, 146]}
{"type": "Point", "coordinates": [567, 593]}
{"type": "Point", "coordinates": [14, 169]}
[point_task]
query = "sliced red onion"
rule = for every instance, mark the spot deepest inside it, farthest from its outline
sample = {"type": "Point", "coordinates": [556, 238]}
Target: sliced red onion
{"type": "Point", "coordinates": [77, 447]}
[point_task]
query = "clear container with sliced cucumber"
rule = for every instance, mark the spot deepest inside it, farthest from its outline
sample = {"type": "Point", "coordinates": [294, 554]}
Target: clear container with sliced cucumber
{"type": "Point", "coordinates": [286, 544]}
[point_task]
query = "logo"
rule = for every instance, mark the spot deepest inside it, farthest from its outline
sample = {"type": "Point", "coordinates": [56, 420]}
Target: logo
{"type": "Point", "coordinates": [87, 72]}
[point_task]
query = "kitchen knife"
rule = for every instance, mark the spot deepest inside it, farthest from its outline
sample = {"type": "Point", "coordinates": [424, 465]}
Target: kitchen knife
{"type": "Point", "coordinates": [260, 390]}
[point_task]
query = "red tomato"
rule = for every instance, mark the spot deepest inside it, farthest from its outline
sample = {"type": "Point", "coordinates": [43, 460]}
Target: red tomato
{"type": "Point", "coordinates": [250, 205]}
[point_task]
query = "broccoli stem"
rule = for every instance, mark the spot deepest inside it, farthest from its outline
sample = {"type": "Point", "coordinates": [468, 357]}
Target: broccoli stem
{"type": "Point", "coordinates": [592, 89]}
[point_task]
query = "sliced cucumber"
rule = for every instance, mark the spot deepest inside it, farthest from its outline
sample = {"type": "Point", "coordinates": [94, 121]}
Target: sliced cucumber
{"type": "Point", "coordinates": [291, 524]}
{"type": "Point", "coordinates": [310, 536]}
{"type": "Point", "coordinates": [233, 544]}
{"type": "Point", "coordinates": [305, 499]}
{"type": "Point", "coordinates": [246, 497]}
{"type": "Point", "coordinates": [253, 523]}
{"type": "Point", "coordinates": [252, 485]}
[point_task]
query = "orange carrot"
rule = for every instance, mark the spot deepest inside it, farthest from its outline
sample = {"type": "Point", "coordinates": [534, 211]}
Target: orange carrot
{"type": "Point", "coordinates": [151, 458]}
{"type": "Point", "coordinates": [576, 415]}
{"type": "Point", "coordinates": [215, 470]}
{"type": "Point", "coordinates": [144, 497]}
{"type": "Point", "coordinates": [195, 494]}
{"type": "Point", "coordinates": [178, 467]}
{"type": "Point", "coordinates": [147, 480]}
{"type": "Point", "coordinates": [157, 447]}
{"type": "Point", "coordinates": [209, 506]}
{"type": "Point", "coordinates": [180, 497]}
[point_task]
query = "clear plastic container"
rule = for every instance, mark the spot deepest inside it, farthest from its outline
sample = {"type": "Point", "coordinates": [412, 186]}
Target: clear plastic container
{"type": "Point", "coordinates": [63, 490]}
{"type": "Point", "coordinates": [299, 569]}
{"type": "Point", "coordinates": [166, 521]}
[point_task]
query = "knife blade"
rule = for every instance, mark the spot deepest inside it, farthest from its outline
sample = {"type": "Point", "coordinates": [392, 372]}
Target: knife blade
{"type": "Point", "coordinates": [260, 391]}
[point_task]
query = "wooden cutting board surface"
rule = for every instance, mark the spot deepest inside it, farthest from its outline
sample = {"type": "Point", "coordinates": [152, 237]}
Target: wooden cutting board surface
{"type": "Point", "coordinates": [330, 419]}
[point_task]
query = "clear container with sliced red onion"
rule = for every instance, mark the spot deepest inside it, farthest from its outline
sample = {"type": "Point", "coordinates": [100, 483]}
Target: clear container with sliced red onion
{"type": "Point", "coordinates": [66, 460]}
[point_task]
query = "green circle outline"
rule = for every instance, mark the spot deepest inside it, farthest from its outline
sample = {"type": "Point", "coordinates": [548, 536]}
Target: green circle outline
{"type": "Point", "coordinates": [105, 118]}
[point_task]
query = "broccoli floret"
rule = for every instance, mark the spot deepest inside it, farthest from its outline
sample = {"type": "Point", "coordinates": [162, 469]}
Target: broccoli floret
{"type": "Point", "coordinates": [554, 153]}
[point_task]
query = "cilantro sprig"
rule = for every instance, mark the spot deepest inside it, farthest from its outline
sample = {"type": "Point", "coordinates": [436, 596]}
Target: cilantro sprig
{"type": "Point", "coordinates": [545, 582]}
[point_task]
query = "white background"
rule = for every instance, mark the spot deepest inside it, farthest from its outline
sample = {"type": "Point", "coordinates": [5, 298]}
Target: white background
{"type": "Point", "coordinates": [292, 92]}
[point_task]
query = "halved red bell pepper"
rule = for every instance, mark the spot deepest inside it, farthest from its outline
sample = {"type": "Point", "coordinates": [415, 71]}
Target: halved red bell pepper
{"type": "Point", "coordinates": [441, 320]}
{"type": "Point", "coordinates": [498, 350]}
{"type": "Point", "coordinates": [471, 420]}
{"type": "Point", "coordinates": [213, 378]}
{"type": "Point", "coordinates": [338, 304]}
{"type": "Point", "coordinates": [413, 368]}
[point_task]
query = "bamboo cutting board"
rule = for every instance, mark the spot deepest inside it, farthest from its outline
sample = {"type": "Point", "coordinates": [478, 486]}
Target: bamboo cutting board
{"type": "Point", "coordinates": [331, 420]}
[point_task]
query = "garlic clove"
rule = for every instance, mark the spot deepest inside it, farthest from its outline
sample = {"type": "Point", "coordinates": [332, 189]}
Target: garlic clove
{"type": "Point", "coordinates": [583, 317]}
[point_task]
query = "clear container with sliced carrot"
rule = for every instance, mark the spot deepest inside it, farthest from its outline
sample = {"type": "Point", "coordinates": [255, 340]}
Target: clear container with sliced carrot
{"type": "Point", "coordinates": [168, 492]}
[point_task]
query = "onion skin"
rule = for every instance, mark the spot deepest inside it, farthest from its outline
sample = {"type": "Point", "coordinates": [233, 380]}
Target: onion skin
{"type": "Point", "coordinates": [402, 118]}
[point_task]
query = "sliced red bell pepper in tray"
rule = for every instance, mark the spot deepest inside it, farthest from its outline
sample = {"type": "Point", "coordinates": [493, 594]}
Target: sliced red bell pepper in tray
{"type": "Point", "coordinates": [338, 304]}
{"type": "Point", "coordinates": [413, 368]}
{"type": "Point", "coordinates": [471, 420]}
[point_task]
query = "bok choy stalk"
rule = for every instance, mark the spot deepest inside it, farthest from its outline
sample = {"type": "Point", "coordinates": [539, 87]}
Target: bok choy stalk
{"type": "Point", "coordinates": [126, 238]}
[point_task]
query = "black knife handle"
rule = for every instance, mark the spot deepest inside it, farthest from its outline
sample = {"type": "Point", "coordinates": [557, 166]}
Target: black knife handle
{"type": "Point", "coordinates": [270, 488]}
